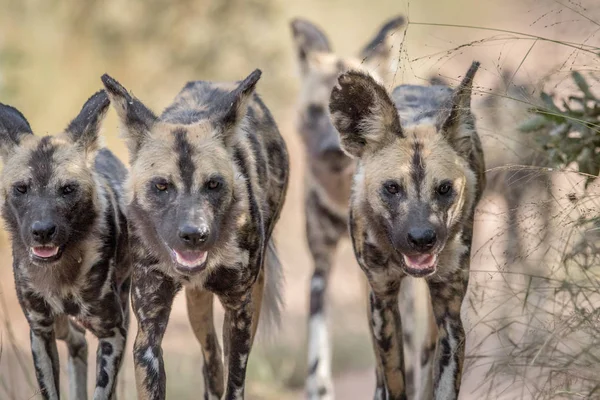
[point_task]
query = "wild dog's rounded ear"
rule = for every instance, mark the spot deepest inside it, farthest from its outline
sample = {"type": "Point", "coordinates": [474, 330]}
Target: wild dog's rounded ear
{"type": "Point", "coordinates": [84, 128]}
{"type": "Point", "coordinates": [457, 123]}
{"type": "Point", "coordinates": [136, 118]}
{"type": "Point", "coordinates": [308, 39]}
{"type": "Point", "coordinates": [363, 113]}
{"type": "Point", "coordinates": [379, 52]}
{"type": "Point", "coordinates": [13, 126]}
{"type": "Point", "coordinates": [234, 105]}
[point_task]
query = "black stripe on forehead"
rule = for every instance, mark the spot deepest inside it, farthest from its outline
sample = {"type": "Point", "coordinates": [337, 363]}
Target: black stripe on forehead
{"type": "Point", "coordinates": [417, 170]}
{"type": "Point", "coordinates": [184, 151]}
{"type": "Point", "coordinates": [41, 161]}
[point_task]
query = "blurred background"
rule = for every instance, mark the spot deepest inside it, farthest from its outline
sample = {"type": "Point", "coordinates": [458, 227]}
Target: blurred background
{"type": "Point", "coordinates": [532, 319]}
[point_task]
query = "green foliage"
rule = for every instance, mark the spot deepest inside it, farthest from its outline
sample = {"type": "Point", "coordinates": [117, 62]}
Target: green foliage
{"type": "Point", "coordinates": [569, 133]}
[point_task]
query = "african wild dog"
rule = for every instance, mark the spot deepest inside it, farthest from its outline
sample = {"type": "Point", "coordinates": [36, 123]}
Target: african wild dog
{"type": "Point", "coordinates": [208, 180]}
{"type": "Point", "coordinates": [503, 109]}
{"type": "Point", "coordinates": [62, 204]}
{"type": "Point", "coordinates": [328, 175]}
{"type": "Point", "coordinates": [419, 176]}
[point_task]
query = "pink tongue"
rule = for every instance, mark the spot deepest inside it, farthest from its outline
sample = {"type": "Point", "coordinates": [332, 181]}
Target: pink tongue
{"type": "Point", "coordinates": [421, 261]}
{"type": "Point", "coordinates": [45, 252]}
{"type": "Point", "coordinates": [190, 258]}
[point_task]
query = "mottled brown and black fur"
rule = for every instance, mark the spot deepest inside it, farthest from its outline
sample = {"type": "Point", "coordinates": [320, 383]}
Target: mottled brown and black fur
{"type": "Point", "coordinates": [419, 177]}
{"type": "Point", "coordinates": [63, 207]}
{"type": "Point", "coordinates": [328, 174]}
{"type": "Point", "coordinates": [208, 181]}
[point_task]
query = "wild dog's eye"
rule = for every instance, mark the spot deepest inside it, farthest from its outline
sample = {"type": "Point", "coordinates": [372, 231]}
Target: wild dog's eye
{"type": "Point", "coordinates": [68, 189]}
{"type": "Point", "coordinates": [444, 189]}
{"type": "Point", "coordinates": [20, 188]}
{"type": "Point", "coordinates": [213, 184]}
{"type": "Point", "coordinates": [392, 187]}
{"type": "Point", "coordinates": [161, 185]}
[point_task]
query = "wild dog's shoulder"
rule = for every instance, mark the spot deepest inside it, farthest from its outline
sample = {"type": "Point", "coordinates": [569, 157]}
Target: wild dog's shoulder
{"type": "Point", "coordinates": [421, 93]}
{"type": "Point", "coordinates": [259, 112]}
{"type": "Point", "coordinates": [196, 101]}
{"type": "Point", "coordinates": [420, 104]}
{"type": "Point", "coordinates": [202, 99]}
{"type": "Point", "coordinates": [114, 174]}
{"type": "Point", "coordinates": [111, 168]}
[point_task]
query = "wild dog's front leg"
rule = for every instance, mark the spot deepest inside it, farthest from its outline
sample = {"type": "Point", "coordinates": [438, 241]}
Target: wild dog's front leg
{"type": "Point", "coordinates": [425, 389]}
{"type": "Point", "coordinates": [111, 331]}
{"type": "Point", "coordinates": [45, 361]}
{"type": "Point", "coordinates": [380, 390]}
{"type": "Point", "coordinates": [386, 331]}
{"type": "Point", "coordinates": [43, 343]}
{"type": "Point", "coordinates": [152, 298]}
{"type": "Point", "coordinates": [74, 337]}
{"type": "Point", "coordinates": [447, 299]}
{"type": "Point", "coordinates": [323, 233]}
{"type": "Point", "coordinates": [124, 296]}
{"type": "Point", "coordinates": [109, 357]}
{"type": "Point", "coordinates": [419, 337]}
{"type": "Point", "coordinates": [200, 314]}
{"type": "Point", "coordinates": [241, 320]}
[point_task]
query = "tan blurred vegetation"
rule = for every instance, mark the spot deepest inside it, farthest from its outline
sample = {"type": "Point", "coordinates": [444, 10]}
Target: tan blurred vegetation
{"type": "Point", "coordinates": [52, 54]}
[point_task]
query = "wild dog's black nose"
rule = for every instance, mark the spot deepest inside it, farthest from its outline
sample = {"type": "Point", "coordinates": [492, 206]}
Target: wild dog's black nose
{"type": "Point", "coordinates": [43, 231]}
{"type": "Point", "coordinates": [193, 235]}
{"type": "Point", "coordinates": [421, 239]}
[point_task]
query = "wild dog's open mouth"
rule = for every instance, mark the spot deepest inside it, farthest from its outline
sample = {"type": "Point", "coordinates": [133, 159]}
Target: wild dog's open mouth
{"type": "Point", "coordinates": [420, 265]}
{"type": "Point", "coordinates": [190, 261]}
{"type": "Point", "coordinates": [46, 253]}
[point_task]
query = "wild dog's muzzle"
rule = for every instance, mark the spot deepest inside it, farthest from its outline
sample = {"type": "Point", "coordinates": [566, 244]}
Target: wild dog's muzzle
{"type": "Point", "coordinates": [419, 246]}
{"type": "Point", "coordinates": [43, 234]}
{"type": "Point", "coordinates": [191, 252]}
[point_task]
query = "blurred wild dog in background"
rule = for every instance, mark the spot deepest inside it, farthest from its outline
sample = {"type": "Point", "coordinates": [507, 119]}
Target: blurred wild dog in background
{"type": "Point", "coordinates": [502, 112]}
